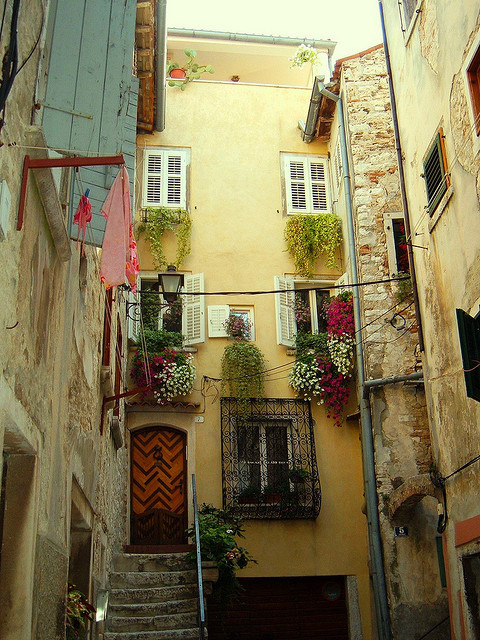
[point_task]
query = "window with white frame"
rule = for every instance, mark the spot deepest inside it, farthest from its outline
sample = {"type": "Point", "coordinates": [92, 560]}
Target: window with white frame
{"type": "Point", "coordinates": [185, 316]}
{"type": "Point", "coordinates": [306, 183]}
{"type": "Point", "coordinates": [396, 243]}
{"type": "Point", "coordinates": [219, 313]}
{"type": "Point", "coordinates": [299, 305]}
{"type": "Point", "coordinates": [409, 9]}
{"type": "Point", "coordinates": [165, 177]}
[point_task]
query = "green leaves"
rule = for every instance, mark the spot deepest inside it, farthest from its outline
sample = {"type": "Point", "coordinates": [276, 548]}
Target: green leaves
{"type": "Point", "coordinates": [243, 370]}
{"type": "Point", "coordinates": [159, 221]}
{"type": "Point", "coordinates": [308, 237]}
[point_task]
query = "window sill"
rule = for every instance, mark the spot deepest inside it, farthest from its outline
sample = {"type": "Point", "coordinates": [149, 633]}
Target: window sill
{"type": "Point", "coordinates": [437, 214]}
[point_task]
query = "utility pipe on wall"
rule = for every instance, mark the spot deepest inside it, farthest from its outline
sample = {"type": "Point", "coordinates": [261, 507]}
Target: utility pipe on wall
{"type": "Point", "coordinates": [368, 453]}
{"type": "Point", "coordinates": [161, 55]}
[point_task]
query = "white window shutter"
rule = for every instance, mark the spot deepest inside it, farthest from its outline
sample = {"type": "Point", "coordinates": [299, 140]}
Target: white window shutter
{"type": "Point", "coordinates": [284, 299]}
{"type": "Point", "coordinates": [152, 178]}
{"type": "Point", "coordinates": [295, 184]}
{"type": "Point", "coordinates": [318, 186]}
{"type": "Point", "coordinates": [193, 314]}
{"type": "Point", "coordinates": [175, 175]}
{"type": "Point", "coordinates": [217, 314]}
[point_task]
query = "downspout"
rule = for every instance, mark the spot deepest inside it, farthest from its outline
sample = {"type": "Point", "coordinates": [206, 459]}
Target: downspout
{"type": "Point", "coordinates": [368, 452]}
{"type": "Point", "coordinates": [161, 56]}
{"type": "Point", "coordinates": [401, 175]}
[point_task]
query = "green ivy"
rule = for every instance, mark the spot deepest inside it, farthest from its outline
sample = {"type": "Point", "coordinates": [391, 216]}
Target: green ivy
{"type": "Point", "coordinates": [243, 366]}
{"type": "Point", "coordinates": [308, 237]}
{"type": "Point", "coordinates": [159, 221]}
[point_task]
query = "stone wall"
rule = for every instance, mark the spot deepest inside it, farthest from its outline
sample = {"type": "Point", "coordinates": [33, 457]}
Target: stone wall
{"type": "Point", "coordinates": [401, 430]}
{"type": "Point", "coordinates": [51, 316]}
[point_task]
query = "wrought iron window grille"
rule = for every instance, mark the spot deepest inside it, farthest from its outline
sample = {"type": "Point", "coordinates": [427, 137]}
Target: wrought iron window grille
{"type": "Point", "coordinates": [269, 467]}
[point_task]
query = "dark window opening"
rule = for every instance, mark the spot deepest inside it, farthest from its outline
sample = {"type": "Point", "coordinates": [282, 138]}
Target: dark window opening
{"type": "Point", "coordinates": [155, 313]}
{"type": "Point", "coordinates": [400, 242]}
{"type": "Point", "coordinates": [469, 333]}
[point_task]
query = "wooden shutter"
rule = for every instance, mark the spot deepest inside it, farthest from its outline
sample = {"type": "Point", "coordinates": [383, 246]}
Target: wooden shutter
{"type": "Point", "coordinates": [152, 180]}
{"type": "Point", "coordinates": [284, 299]}
{"type": "Point", "coordinates": [90, 100]}
{"type": "Point", "coordinates": [434, 171]}
{"type": "Point", "coordinates": [164, 178]}
{"type": "Point", "coordinates": [469, 332]}
{"type": "Point", "coordinates": [306, 184]}
{"type": "Point", "coordinates": [193, 314]}
{"type": "Point", "coordinates": [343, 280]}
{"type": "Point", "coordinates": [318, 186]}
{"type": "Point", "coordinates": [217, 314]}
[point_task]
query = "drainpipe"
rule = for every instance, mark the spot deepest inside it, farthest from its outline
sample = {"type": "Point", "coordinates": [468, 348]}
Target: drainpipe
{"type": "Point", "coordinates": [368, 452]}
{"type": "Point", "coordinates": [381, 382]}
{"type": "Point", "coordinates": [161, 55]}
{"type": "Point", "coordinates": [401, 175]}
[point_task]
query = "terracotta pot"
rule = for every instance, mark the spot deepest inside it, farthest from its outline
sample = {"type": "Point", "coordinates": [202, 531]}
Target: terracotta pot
{"type": "Point", "coordinates": [178, 74]}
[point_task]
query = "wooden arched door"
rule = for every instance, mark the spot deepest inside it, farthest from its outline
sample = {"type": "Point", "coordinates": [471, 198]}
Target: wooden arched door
{"type": "Point", "coordinates": [158, 486]}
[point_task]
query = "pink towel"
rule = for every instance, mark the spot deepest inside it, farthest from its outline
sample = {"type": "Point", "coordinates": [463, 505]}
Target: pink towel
{"type": "Point", "coordinates": [119, 256]}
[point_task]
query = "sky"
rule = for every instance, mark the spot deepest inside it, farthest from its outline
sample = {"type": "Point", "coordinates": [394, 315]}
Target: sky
{"type": "Point", "coordinates": [354, 24]}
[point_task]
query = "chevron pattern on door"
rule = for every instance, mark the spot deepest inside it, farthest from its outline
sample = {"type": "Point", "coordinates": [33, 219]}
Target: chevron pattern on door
{"type": "Point", "coordinates": [158, 486]}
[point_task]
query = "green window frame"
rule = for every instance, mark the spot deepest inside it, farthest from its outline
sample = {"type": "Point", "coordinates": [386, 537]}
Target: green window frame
{"type": "Point", "coordinates": [435, 173]}
{"type": "Point", "coordinates": [469, 333]}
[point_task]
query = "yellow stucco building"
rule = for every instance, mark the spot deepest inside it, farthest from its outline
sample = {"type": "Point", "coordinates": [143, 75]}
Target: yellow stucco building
{"type": "Point", "coordinates": [228, 147]}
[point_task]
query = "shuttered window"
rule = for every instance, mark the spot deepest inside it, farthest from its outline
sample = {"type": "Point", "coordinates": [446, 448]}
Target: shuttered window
{"type": "Point", "coordinates": [469, 333]}
{"type": "Point", "coordinates": [89, 96]}
{"type": "Point", "coordinates": [473, 76]}
{"type": "Point", "coordinates": [306, 184]}
{"type": "Point", "coordinates": [435, 174]}
{"type": "Point", "coordinates": [193, 315]}
{"type": "Point", "coordinates": [165, 178]}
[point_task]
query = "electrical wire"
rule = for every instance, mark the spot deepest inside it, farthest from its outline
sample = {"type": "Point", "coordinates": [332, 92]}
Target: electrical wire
{"type": "Point", "coordinates": [10, 61]}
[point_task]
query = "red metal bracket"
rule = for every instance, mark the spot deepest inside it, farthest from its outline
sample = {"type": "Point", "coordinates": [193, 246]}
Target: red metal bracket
{"type": "Point", "coordinates": [46, 163]}
{"type": "Point", "coordinates": [119, 396]}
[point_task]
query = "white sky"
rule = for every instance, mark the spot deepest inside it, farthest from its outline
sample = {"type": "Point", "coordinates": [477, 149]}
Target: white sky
{"type": "Point", "coordinates": [354, 24]}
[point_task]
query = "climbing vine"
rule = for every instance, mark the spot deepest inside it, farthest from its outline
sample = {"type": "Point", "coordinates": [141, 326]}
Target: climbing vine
{"type": "Point", "coordinates": [159, 221]}
{"type": "Point", "coordinates": [308, 237]}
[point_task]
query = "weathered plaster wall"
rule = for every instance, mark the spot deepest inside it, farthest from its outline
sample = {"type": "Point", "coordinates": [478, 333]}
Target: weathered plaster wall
{"type": "Point", "coordinates": [401, 431]}
{"type": "Point", "coordinates": [51, 321]}
{"type": "Point", "coordinates": [431, 89]}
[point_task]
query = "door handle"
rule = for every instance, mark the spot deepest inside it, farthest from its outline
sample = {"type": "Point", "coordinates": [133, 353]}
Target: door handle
{"type": "Point", "coordinates": [180, 486]}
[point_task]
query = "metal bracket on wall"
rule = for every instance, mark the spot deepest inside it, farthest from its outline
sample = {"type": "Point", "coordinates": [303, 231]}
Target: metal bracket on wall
{"type": "Point", "coordinates": [53, 163]}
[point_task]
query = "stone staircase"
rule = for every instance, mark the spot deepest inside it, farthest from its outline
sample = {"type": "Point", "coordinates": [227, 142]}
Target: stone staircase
{"type": "Point", "coordinates": [153, 597]}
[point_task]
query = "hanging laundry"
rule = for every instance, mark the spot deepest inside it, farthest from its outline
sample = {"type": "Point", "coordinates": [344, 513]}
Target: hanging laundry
{"type": "Point", "coordinates": [82, 216]}
{"type": "Point", "coordinates": [119, 255]}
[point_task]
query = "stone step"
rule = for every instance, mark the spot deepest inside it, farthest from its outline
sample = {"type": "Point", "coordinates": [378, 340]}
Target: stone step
{"type": "Point", "coordinates": [156, 623]}
{"type": "Point", "coordinates": [135, 609]}
{"type": "Point", "coordinates": [139, 579]}
{"type": "Point", "coordinates": [153, 562]}
{"type": "Point", "coordinates": [152, 594]}
{"type": "Point", "coordinates": [170, 634]}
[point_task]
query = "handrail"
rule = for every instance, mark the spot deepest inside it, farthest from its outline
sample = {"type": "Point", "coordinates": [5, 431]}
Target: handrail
{"type": "Point", "coordinates": [199, 560]}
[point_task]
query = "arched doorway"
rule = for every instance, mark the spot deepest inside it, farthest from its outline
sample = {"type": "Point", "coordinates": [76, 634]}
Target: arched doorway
{"type": "Point", "coordinates": [158, 486]}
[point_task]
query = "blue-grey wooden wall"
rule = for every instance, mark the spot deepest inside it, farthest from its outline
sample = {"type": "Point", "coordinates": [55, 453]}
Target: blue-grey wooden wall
{"type": "Point", "coordinates": [91, 95]}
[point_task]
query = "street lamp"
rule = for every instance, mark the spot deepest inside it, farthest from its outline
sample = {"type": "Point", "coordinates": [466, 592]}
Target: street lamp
{"type": "Point", "coordinates": [170, 283]}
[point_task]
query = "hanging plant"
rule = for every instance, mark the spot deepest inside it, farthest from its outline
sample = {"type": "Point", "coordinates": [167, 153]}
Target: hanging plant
{"type": "Point", "coordinates": [171, 371]}
{"type": "Point", "coordinates": [237, 327]}
{"type": "Point", "coordinates": [324, 364]}
{"type": "Point", "coordinates": [304, 53]}
{"type": "Point", "coordinates": [243, 367]}
{"type": "Point", "coordinates": [309, 236]}
{"type": "Point", "coordinates": [159, 221]}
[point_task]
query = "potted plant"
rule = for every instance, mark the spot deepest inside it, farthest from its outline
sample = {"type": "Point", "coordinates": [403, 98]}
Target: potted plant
{"type": "Point", "coordinates": [249, 495]}
{"type": "Point", "coordinates": [78, 612]}
{"type": "Point", "coordinates": [219, 529]}
{"type": "Point", "coordinates": [181, 74]}
{"type": "Point", "coordinates": [237, 327]}
{"type": "Point", "coordinates": [304, 53]}
{"type": "Point", "coordinates": [298, 475]}
{"type": "Point", "coordinates": [171, 370]}
{"type": "Point", "coordinates": [323, 367]}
